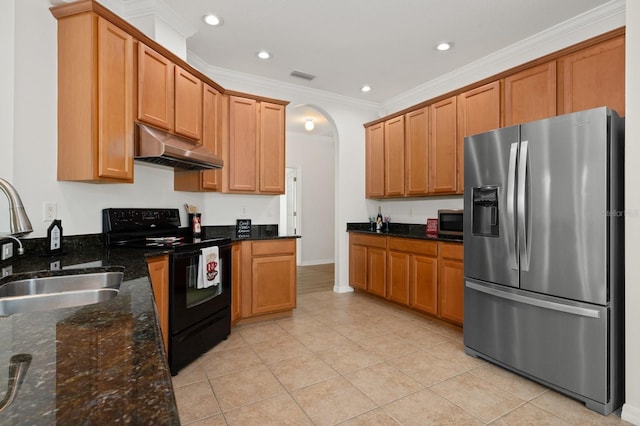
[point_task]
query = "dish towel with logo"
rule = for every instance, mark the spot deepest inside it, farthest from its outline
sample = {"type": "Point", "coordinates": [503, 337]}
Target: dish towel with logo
{"type": "Point", "coordinates": [209, 270]}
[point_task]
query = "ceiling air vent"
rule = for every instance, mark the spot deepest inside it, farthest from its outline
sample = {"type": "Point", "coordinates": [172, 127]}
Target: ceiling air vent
{"type": "Point", "coordinates": [303, 75]}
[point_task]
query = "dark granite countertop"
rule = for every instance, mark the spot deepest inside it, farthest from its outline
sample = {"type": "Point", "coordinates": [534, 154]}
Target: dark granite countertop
{"type": "Point", "coordinates": [95, 364]}
{"type": "Point", "coordinates": [403, 230]}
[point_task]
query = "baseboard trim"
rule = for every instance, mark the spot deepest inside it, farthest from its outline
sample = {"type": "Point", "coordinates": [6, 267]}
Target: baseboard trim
{"type": "Point", "coordinates": [317, 262]}
{"type": "Point", "coordinates": [342, 289]}
{"type": "Point", "coordinates": [631, 414]}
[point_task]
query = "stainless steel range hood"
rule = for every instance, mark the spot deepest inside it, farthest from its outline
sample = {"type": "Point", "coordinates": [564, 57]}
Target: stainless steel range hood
{"type": "Point", "coordinates": [158, 147]}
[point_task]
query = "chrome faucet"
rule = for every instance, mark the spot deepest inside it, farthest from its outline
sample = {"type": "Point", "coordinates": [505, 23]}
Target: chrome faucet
{"type": "Point", "coordinates": [19, 223]}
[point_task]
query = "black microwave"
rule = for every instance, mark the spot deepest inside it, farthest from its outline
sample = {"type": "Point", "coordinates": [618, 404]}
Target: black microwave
{"type": "Point", "coordinates": [450, 223]}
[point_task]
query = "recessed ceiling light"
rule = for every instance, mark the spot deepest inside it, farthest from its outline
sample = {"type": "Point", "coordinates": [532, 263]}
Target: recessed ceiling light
{"type": "Point", "coordinates": [263, 54]}
{"type": "Point", "coordinates": [212, 20]}
{"type": "Point", "coordinates": [366, 88]}
{"type": "Point", "coordinates": [308, 124]}
{"type": "Point", "coordinates": [444, 46]}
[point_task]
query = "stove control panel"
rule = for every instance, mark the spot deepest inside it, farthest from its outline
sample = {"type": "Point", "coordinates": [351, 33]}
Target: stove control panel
{"type": "Point", "coordinates": [128, 220]}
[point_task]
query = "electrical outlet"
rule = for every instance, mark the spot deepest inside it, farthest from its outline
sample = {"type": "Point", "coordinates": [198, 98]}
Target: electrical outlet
{"type": "Point", "coordinates": [6, 271]}
{"type": "Point", "coordinates": [7, 251]}
{"type": "Point", "coordinates": [49, 211]}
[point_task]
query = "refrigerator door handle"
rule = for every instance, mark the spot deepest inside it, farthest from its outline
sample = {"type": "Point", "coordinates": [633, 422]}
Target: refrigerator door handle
{"type": "Point", "coordinates": [511, 218]}
{"type": "Point", "coordinates": [545, 304]}
{"type": "Point", "coordinates": [523, 225]}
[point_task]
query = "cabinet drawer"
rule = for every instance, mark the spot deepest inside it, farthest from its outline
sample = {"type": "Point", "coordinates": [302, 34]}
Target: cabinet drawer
{"type": "Point", "coordinates": [368, 240]}
{"type": "Point", "coordinates": [428, 248]}
{"type": "Point", "coordinates": [452, 251]}
{"type": "Point", "coordinates": [273, 247]}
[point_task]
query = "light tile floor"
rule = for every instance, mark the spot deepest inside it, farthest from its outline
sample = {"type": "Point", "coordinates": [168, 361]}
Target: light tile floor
{"type": "Point", "coordinates": [353, 359]}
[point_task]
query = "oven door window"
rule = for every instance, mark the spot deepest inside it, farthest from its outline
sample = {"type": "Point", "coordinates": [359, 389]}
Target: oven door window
{"type": "Point", "coordinates": [195, 295]}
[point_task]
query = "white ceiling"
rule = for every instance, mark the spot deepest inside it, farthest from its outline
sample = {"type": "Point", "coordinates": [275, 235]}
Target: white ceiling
{"type": "Point", "coordinates": [387, 44]}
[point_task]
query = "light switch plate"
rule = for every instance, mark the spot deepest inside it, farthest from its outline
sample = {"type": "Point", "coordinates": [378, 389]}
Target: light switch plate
{"type": "Point", "coordinates": [7, 251]}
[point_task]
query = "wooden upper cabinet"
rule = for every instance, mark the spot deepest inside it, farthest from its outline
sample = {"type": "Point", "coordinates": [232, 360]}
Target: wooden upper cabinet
{"type": "Point", "coordinates": [211, 134]}
{"type": "Point", "coordinates": [416, 146]}
{"type": "Point", "coordinates": [530, 94]}
{"type": "Point", "coordinates": [188, 104]}
{"type": "Point", "coordinates": [593, 77]}
{"type": "Point", "coordinates": [95, 100]}
{"type": "Point", "coordinates": [394, 157]}
{"type": "Point", "coordinates": [478, 111]}
{"type": "Point", "coordinates": [374, 160]}
{"type": "Point", "coordinates": [272, 148]}
{"type": "Point", "coordinates": [443, 144]}
{"type": "Point", "coordinates": [242, 162]}
{"type": "Point", "coordinates": [155, 88]}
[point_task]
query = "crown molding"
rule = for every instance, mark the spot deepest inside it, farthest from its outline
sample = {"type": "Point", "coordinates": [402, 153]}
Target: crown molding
{"type": "Point", "coordinates": [594, 22]}
{"type": "Point", "coordinates": [132, 9]}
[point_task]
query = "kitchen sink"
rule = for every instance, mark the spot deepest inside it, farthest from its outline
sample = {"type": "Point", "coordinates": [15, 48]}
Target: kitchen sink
{"type": "Point", "coordinates": [44, 293]}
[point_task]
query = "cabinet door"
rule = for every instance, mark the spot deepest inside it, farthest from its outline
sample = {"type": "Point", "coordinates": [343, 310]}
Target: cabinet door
{"type": "Point", "coordinates": [155, 88]}
{"type": "Point", "coordinates": [374, 161]}
{"type": "Point", "coordinates": [236, 280]}
{"type": "Point", "coordinates": [394, 157]}
{"type": "Point", "coordinates": [272, 148]}
{"type": "Point", "coordinates": [376, 271]}
{"type": "Point", "coordinates": [478, 111]}
{"type": "Point", "coordinates": [358, 266]}
{"type": "Point", "coordinates": [593, 77]}
{"type": "Point", "coordinates": [530, 94]}
{"type": "Point", "coordinates": [443, 143]}
{"type": "Point", "coordinates": [398, 277]}
{"type": "Point", "coordinates": [159, 276]}
{"type": "Point", "coordinates": [115, 102]}
{"type": "Point", "coordinates": [452, 290]}
{"type": "Point", "coordinates": [273, 283]}
{"type": "Point", "coordinates": [188, 104]}
{"type": "Point", "coordinates": [242, 162]}
{"type": "Point", "coordinates": [211, 139]}
{"type": "Point", "coordinates": [424, 284]}
{"type": "Point", "coordinates": [416, 145]}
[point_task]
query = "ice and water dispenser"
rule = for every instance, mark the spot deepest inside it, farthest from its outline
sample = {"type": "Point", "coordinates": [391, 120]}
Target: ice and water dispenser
{"type": "Point", "coordinates": [485, 211]}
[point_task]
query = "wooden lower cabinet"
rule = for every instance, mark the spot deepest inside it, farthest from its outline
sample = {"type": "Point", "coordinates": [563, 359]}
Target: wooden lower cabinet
{"type": "Point", "coordinates": [267, 280]}
{"type": "Point", "coordinates": [159, 275]}
{"type": "Point", "coordinates": [451, 282]}
{"type": "Point", "coordinates": [236, 279]}
{"type": "Point", "coordinates": [426, 276]}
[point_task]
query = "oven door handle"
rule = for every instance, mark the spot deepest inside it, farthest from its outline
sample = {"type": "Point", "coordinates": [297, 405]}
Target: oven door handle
{"type": "Point", "coordinates": [182, 255]}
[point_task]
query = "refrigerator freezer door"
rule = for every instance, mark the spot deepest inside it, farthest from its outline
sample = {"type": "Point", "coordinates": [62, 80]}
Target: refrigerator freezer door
{"type": "Point", "coordinates": [489, 205]}
{"type": "Point", "coordinates": [562, 343]}
{"type": "Point", "coordinates": [563, 244]}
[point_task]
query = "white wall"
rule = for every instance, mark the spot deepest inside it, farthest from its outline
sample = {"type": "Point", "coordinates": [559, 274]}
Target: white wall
{"type": "Point", "coordinates": [313, 157]}
{"type": "Point", "coordinates": [631, 409]}
{"type": "Point", "coordinates": [7, 42]}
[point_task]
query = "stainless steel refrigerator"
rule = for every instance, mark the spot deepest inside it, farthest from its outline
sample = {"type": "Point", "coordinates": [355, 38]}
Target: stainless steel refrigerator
{"type": "Point", "coordinates": [544, 253]}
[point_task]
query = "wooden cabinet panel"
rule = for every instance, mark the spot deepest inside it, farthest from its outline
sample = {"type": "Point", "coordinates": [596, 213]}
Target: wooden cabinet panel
{"type": "Point", "coordinates": [211, 137]}
{"type": "Point", "coordinates": [95, 100]}
{"type": "Point", "coordinates": [593, 77]}
{"type": "Point", "coordinates": [394, 157]}
{"type": "Point", "coordinates": [398, 271]}
{"type": "Point", "coordinates": [155, 88]}
{"type": "Point", "coordinates": [424, 284]}
{"type": "Point", "coordinates": [443, 144]}
{"type": "Point", "coordinates": [159, 277]}
{"type": "Point", "coordinates": [376, 271]}
{"type": "Point", "coordinates": [272, 148]}
{"type": "Point", "coordinates": [530, 94]}
{"type": "Point", "coordinates": [416, 145]}
{"type": "Point", "coordinates": [451, 283]}
{"type": "Point", "coordinates": [236, 280]}
{"type": "Point", "coordinates": [358, 266]}
{"type": "Point", "coordinates": [273, 284]}
{"type": "Point", "coordinates": [478, 111]}
{"type": "Point", "coordinates": [374, 161]}
{"type": "Point", "coordinates": [188, 104]}
{"type": "Point", "coordinates": [242, 164]}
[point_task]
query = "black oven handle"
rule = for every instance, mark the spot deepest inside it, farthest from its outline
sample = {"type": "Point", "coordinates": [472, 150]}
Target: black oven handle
{"type": "Point", "coordinates": [192, 253]}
